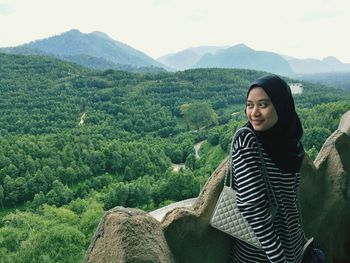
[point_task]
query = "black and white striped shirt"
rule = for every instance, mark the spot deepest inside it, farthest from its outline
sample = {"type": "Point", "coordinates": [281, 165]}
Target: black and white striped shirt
{"type": "Point", "coordinates": [282, 238]}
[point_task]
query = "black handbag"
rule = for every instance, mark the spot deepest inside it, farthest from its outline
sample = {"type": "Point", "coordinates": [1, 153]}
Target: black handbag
{"type": "Point", "coordinates": [313, 253]}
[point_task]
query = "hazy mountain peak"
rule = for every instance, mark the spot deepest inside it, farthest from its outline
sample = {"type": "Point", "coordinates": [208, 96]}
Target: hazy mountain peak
{"type": "Point", "coordinates": [100, 34]}
{"type": "Point", "coordinates": [242, 47]}
{"type": "Point", "coordinates": [242, 56]}
{"type": "Point", "coordinates": [186, 58]}
{"type": "Point", "coordinates": [73, 31]}
{"type": "Point", "coordinates": [98, 45]}
{"type": "Point", "coordinates": [202, 50]}
{"type": "Point", "coordinates": [331, 59]}
{"type": "Point", "coordinates": [312, 66]}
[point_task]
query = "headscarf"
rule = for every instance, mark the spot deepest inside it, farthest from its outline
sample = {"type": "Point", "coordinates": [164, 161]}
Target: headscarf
{"type": "Point", "coordinates": [282, 141]}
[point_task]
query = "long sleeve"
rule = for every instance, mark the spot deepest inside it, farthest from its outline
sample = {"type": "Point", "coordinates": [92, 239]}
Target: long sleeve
{"type": "Point", "coordinates": [251, 196]}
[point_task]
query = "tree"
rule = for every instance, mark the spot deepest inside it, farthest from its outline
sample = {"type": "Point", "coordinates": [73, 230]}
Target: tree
{"type": "Point", "coordinates": [118, 195]}
{"type": "Point", "coordinates": [59, 194]}
{"type": "Point", "coordinates": [199, 114]}
{"type": "Point", "coordinates": [11, 194]}
{"type": "Point", "coordinates": [96, 160]}
{"type": "Point", "coordinates": [39, 199]}
{"type": "Point", "coordinates": [315, 137]}
{"type": "Point", "coordinates": [90, 218]}
{"type": "Point", "coordinates": [2, 196]}
{"type": "Point", "coordinates": [191, 161]}
{"type": "Point", "coordinates": [59, 243]}
{"type": "Point", "coordinates": [213, 137]}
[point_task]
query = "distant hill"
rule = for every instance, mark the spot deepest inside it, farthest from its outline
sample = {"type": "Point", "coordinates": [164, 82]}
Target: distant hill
{"type": "Point", "coordinates": [312, 66]}
{"type": "Point", "coordinates": [335, 79]}
{"type": "Point", "coordinates": [241, 56]}
{"type": "Point", "coordinates": [188, 57]}
{"type": "Point", "coordinates": [102, 63]}
{"type": "Point", "coordinates": [96, 50]}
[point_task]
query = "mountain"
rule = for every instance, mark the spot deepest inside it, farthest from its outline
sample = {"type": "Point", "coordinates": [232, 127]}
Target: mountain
{"type": "Point", "coordinates": [102, 63]}
{"type": "Point", "coordinates": [182, 60]}
{"type": "Point", "coordinates": [186, 58]}
{"type": "Point", "coordinates": [99, 47]}
{"type": "Point", "coordinates": [335, 79]}
{"type": "Point", "coordinates": [312, 66]}
{"type": "Point", "coordinates": [286, 57]}
{"type": "Point", "coordinates": [241, 56]}
{"type": "Point", "coordinates": [99, 51]}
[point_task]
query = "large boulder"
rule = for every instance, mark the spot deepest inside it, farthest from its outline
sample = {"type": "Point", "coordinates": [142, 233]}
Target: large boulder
{"type": "Point", "coordinates": [325, 194]}
{"type": "Point", "coordinates": [127, 235]}
{"type": "Point", "coordinates": [187, 230]}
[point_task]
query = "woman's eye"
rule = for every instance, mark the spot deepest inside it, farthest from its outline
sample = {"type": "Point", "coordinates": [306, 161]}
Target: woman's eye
{"type": "Point", "coordinates": [250, 105]}
{"type": "Point", "coordinates": [263, 105]}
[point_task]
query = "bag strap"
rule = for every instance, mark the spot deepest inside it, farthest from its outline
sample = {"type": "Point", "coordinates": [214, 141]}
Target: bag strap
{"type": "Point", "coordinates": [272, 203]}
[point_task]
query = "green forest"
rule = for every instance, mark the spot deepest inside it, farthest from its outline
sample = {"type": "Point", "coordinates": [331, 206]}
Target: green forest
{"type": "Point", "coordinates": [75, 142]}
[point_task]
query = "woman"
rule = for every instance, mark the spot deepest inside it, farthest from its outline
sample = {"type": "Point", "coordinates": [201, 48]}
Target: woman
{"type": "Point", "coordinates": [272, 117]}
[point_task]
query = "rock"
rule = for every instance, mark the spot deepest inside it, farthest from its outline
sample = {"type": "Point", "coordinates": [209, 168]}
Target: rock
{"type": "Point", "coordinates": [187, 230]}
{"type": "Point", "coordinates": [325, 194]}
{"type": "Point", "coordinates": [161, 212]}
{"type": "Point", "coordinates": [344, 124]}
{"type": "Point", "coordinates": [128, 235]}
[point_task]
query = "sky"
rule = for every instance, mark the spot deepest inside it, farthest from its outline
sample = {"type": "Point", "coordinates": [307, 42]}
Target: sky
{"type": "Point", "coordinates": [298, 28]}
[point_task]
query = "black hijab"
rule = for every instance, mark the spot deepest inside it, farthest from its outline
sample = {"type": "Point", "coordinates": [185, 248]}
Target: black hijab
{"type": "Point", "coordinates": [282, 141]}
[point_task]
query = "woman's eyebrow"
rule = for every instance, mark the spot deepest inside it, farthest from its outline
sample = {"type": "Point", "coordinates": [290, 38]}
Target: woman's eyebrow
{"type": "Point", "coordinates": [261, 100]}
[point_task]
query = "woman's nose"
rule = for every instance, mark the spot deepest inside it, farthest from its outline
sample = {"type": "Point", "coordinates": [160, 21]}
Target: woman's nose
{"type": "Point", "coordinates": [256, 111]}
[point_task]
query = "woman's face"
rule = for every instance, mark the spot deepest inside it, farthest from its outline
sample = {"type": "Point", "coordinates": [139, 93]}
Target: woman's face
{"type": "Point", "coordinates": [260, 111]}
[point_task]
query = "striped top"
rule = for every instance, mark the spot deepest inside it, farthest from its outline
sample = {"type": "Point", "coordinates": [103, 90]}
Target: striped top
{"type": "Point", "coordinates": [282, 238]}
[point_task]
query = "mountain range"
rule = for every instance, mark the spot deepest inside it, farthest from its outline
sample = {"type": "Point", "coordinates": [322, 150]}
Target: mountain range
{"type": "Point", "coordinates": [242, 56]}
{"type": "Point", "coordinates": [93, 50]}
{"type": "Point", "coordinates": [98, 50]}
{"type": "Point", "coordinates": [189, 57]}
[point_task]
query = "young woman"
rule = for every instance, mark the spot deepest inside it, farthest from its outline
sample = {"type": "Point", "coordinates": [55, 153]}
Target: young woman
{"type": "Point", "coordinates": [272, 117]}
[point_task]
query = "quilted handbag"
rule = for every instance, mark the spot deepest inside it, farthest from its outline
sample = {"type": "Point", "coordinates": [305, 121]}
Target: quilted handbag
{"type": "Point", "coordinates": [227, 217]}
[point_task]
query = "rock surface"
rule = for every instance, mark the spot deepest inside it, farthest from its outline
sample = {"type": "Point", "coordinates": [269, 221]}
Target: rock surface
{"type": "Point", "coordinates": [325, 194]}
{"type": "Point", "coordinates": [325, 208]}
{"type": "Point", "coordinates": [187, 230]}
{"type": "Point", "coordinates": [128, 235]}
{"type": "Point", "coordinates": [161, 212]}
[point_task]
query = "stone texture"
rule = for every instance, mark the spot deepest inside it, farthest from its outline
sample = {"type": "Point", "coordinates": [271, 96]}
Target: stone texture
{"type": "Point", "coordinates": [187, 230]}
{"type": "Point", "coordinates": [161, 212]}
{"type": "Point", "coordinates": [325, 194]}
{"type": "Point", "coordinates": [127, 235]}
{"type": "Point", "coordinates": [344, 124]}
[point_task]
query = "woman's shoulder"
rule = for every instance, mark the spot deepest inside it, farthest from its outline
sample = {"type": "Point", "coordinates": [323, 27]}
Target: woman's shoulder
{"type": "Point", "coordinates": [244, 138]}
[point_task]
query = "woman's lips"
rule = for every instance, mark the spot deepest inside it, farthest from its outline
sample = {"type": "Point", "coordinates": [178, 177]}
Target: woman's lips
{"type": "Point", "coordinates": [257, 122]}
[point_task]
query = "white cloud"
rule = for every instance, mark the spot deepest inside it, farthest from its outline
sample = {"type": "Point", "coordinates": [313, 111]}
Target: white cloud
{"type": "Point", "coordinates": [313, 28]}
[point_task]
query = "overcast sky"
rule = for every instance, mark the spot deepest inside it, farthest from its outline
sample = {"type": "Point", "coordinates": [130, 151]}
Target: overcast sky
{"type": "Point", "coordinates": [299, 28]}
